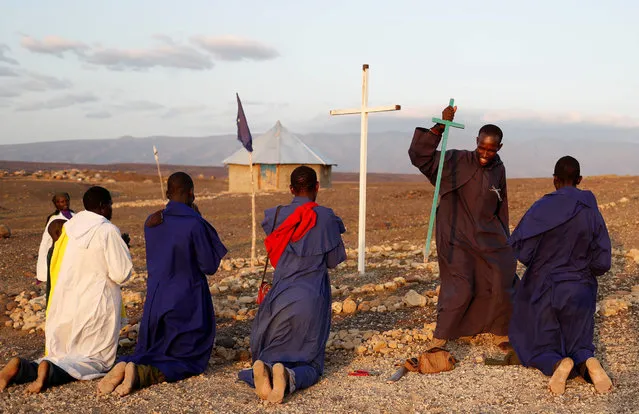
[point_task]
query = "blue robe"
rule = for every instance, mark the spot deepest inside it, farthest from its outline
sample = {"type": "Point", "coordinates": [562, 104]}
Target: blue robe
{"type": "Point", "coordinates": [564, 243]}
{"type": "Point", "coordinates": [177, 330]}
{"type": "Point", "coordinates": [293, 322]}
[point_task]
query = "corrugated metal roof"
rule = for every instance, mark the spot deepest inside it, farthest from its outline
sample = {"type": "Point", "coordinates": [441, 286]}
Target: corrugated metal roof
{"type": "Point", "coordinates": [279, 146]}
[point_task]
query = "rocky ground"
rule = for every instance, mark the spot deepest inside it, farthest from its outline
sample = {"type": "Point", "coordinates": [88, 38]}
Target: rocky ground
{"type": "Point", "coordinates": [379, 319]}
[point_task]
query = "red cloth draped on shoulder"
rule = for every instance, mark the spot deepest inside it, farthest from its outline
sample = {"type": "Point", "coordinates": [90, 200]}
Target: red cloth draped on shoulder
{"type": "Point", "coordinates": [291, 230]}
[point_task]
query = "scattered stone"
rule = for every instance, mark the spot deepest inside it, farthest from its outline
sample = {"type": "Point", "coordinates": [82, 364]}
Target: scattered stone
{"type": "Point", "coordinates": [247, 299]}
{"type": "Point", "coordinates": [5, 231]}
{"type": "Point", "coordinates": [349, 306]}
{"type": "Point", "coordinates": [126, 343]}
{"type": "Point", "coordinates": [337, 307]}
{"type": "Point", "coordinates": [612, 306]}
{"type": "Point", "coordinates": [363, 307]}
{"type": "Point", "coordinates": [224, 341]}
{"type": "Point", "coordinates": [414, 299]}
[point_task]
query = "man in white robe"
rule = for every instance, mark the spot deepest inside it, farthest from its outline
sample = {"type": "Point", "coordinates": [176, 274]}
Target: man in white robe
{"type": "Point", "coordinates": [62, 203]}
{"type": "Point", "coordinates": [90, 262]}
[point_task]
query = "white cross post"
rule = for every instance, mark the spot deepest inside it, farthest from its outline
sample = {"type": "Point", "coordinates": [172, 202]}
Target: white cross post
{"type": "Point", "coordinates": [363, 152]}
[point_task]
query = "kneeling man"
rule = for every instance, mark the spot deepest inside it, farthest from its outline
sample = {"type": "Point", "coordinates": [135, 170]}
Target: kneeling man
{"type": "Point", "coordinates": [290, 330]}
{"type": "Point", "coordinates": [177, 330]}
{"type": "Point", "coordinates": [89, 263]}
{"type": "Point", "coordinates": [564, 243]}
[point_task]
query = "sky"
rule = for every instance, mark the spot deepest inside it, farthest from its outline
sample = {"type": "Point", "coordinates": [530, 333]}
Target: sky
{"type": "Point", "coordinates": [83, 69]}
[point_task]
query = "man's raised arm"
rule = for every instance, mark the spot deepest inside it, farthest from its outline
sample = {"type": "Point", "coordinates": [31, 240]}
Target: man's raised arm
{"type": "Point", "coordinates": [423, 149]}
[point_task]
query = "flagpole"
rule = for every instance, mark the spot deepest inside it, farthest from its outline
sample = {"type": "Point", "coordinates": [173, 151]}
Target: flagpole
{"type": "Point", "coordinates": [253, 236]}
{"type": "Point", "coordinates": [244, 136]}
{"type": "Point", "coordinates": [157, 162]}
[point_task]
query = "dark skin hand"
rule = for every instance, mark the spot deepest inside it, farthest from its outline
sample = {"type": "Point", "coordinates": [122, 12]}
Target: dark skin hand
{"type": "Point", "coordinates": [127, 239]}
{"type": "Point", "coordinates": [448, 114]}
{"type": "Point", "coordinates": [156, 219]}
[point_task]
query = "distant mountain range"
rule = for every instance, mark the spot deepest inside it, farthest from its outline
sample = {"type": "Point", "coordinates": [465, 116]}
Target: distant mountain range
{"type": "Point", "coordinates": [530, 149]}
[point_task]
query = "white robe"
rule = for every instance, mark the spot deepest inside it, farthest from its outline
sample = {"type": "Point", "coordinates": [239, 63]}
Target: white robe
{"type": "Point", "coordinates": [83, 320]}
{"type": "Point", "coordinates": [45, 245]}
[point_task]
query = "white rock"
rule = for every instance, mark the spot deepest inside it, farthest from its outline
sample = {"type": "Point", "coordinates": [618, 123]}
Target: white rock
{"type": "Point", "coordinates": [612, 306]}
{"type": "Point", "coordinates": [414, 299]}
{"type": "Point", "coordinates": [337, 307]}
{"type": "Point", "coordinates": [247, 299]}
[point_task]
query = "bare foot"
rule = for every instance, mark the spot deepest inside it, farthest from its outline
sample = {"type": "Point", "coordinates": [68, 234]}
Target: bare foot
{"type": "Point", "coordinates": [128, 383]}
{"type": "Point", "coordinates": [37, 386]}
{"type": "Point", "coordinates": [8, 372]}
{"type": "Point", "coordinates": [558, 380]}
{"type": "Point", "coordinates": [112, 379]}
{"type": "Point", "coordinates": [262, 381]}
{"type": "Point", "coordinates": [276, 396]}
{"type": "Point", "coordinates": [599, 378]}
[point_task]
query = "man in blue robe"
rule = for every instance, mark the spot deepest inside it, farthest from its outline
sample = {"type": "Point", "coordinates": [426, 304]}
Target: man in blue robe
{"type": "Point", "coordinates": [290, 330]}
{"type": "Point", "coordinates": [177, 330]}
{"type": "Point", "coordinates": [564, 243]}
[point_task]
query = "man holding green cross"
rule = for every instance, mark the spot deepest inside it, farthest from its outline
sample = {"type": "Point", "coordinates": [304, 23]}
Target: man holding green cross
{"type": "Point", "coordinates": [477, 267]}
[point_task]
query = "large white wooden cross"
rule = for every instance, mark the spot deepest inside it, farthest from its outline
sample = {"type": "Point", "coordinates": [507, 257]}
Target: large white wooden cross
{"type": "Point", "coordinates": [363, 152]}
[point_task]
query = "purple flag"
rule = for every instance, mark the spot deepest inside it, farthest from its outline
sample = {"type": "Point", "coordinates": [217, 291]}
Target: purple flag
{"type": "Point", "coordinates": [243, 132]}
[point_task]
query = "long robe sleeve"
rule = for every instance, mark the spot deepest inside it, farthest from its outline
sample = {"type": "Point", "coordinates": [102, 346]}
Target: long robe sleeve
{"type": "Point", "coordinates": [209, 250]}
{"type": "Point", "coordinates": [118, 257]}
{"type": "Point", "coordinates": [600, 248]}
{"type": "Point", "coordinates": [423, 152]}
{"type": "Point", "coordinates": [45, 245]}
{"type": "Point", "coordinates": [336, 256]}
{"type": "Point", "coordinates": [524, 250]}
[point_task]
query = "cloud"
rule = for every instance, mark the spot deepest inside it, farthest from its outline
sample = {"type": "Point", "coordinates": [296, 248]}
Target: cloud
{"type": "Point", "coordinates": [26, 81]}
{"type": "Point", "coordinates": [261, 104]}
{"type": "Point", "coordinates": [53, 45]}
{"type": "Point", "coordinates": [37, 82]}
{"type": "Point", "coordinates": [60, 102]}
{"type": "Point", "coordinates": [8, 92]}
{"type": "Point", "coordinates": [8, 72]}
{"type": "Point", "coordinates": [139, 106]}
{"type": "Point", "coordinates": [235, 48]}
{"type": "Point", "coordinates": [167, 53]}
{"type": "Point", "coordinates": [6, 59]}
{"type": "Point", "coordinates": [98, 115]}
{"type": "Point", "coordinates": [183, 57]}
{"type": "Point", "coordinates": [183, 110]}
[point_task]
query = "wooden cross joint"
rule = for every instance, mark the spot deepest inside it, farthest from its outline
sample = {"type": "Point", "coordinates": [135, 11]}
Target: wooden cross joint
{"type": "Point", "coordinates": [448, 123]}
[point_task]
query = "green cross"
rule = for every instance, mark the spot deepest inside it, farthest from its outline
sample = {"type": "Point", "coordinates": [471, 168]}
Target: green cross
{"type": "Point", "coordinates": [440, 168]}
